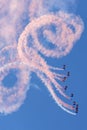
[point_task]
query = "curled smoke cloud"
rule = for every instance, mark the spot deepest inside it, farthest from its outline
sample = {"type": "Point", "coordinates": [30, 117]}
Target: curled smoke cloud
{"type": "Point", "coordinates": [27, 29]}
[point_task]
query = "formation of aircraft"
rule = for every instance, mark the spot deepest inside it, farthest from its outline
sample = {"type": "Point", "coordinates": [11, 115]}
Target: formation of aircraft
{"type": "Point", "coordinates": [75, 105]}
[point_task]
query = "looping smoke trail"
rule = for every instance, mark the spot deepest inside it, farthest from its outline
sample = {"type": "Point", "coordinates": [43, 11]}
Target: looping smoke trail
{"type": "Point", "coordinates": [68, 30]}
{"type": "Point", "coordinates": [12, 98]}
{"type": "Point", "coordinates": [52, 33]}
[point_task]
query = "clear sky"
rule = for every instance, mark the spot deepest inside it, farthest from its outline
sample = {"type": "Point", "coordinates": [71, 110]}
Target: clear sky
{"type": "Point", "coordinates": [39, 111]}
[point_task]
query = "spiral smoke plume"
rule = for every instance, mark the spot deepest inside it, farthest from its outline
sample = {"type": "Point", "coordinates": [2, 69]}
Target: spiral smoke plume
{"type": "Point", "coordinates": [27, 29]}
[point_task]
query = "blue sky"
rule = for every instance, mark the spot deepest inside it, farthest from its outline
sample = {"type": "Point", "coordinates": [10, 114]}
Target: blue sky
{"type": "Point", "coordinates": [39, 111]}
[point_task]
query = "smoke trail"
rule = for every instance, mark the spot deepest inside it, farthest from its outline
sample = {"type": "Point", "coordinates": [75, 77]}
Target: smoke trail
{"type": "Point", "coordinates": [71, 28]}
{"type": "Point", "coordinates": [12, 98]}
{"type": "Point", "coordinates": [68, 30]}
{"type": "Point", "coordinates": [44, 18]}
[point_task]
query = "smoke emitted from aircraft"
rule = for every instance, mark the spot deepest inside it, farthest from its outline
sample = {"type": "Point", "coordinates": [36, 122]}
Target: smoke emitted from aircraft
{"type": "Point", "coordinates": [29, 28]}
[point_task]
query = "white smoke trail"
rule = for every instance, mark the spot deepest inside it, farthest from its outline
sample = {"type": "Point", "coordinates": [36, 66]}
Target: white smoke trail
{"type": "Point", "coordinates": [40, 13]}
{"type": "Point", "coordinates": [12, 98]}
